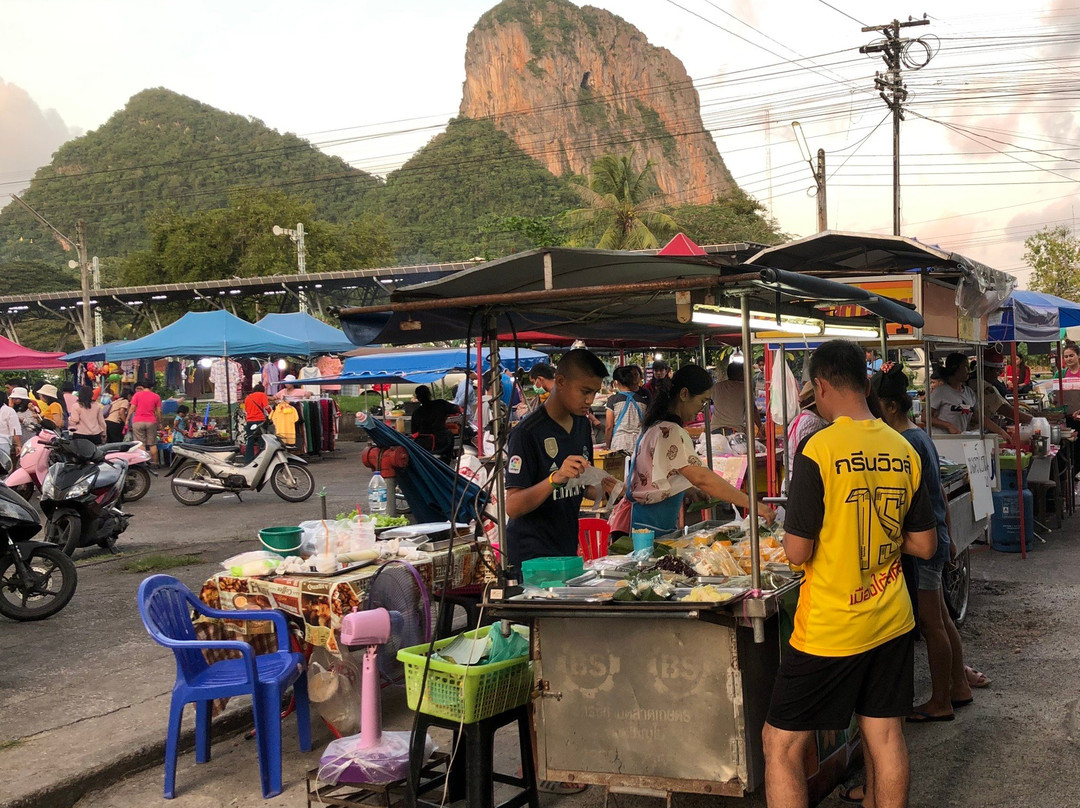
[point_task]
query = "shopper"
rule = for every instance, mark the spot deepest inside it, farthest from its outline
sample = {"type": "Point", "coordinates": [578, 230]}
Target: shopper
{"type": "Point", "coordinates": [49, 408]}
{"type": "Point", "coordinates": [945, 652]}
{"type": "Point", "coordinates": [803, 425]}
{"type": "Point", "coordinates": [665, 464]}
{"type": "Point", "coordinates": [10, 428]}
{"type": "Point", "coordinates": [661, 379]}
{"type": "Point", "coordinates": [256, 411]}
{"type": "Point", "coordinates": [548, 451]}
{"type": "Point", "coordinates": [19, 400]}
{"type": "Point", "coordinates": [857, 500]}
{"type": "Point", "coordinates": [145, 411]}
{"type": "Point", "coordinates": [625, 411]}
{"type": "Point", "coordinates": [1021, 373]}
{"type": "Point", "coordinates": [953, 403]}
{"type": "Point", "coordinates": [87, 419]}
{"type": "Point", "coordinates": [729, 403]}
{"type": "Point", "coordinates": [117, 418]}
{"type": "Point", "coordinates": [429, 423]}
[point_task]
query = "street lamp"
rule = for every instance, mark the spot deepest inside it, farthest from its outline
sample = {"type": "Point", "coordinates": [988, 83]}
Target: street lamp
{"type": "Point", "coordinates": [297, 237]}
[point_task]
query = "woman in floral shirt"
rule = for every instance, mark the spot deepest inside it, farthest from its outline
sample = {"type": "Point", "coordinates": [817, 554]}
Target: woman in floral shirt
{"type": "Point", "coordinates": [666, 465]}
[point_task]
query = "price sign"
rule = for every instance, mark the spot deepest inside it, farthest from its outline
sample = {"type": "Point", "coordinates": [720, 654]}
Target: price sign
{"type": "Point", "coordinates": [978, 465]}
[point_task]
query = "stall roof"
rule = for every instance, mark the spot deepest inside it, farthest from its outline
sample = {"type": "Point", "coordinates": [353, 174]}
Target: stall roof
{"type": "Point", "coordinates": [14, 356]}
{"type": "Point", "coordinates": [834, 250]}
{"type": "Point", "coordinates": [596, 294]}
{"type": "Point", "coordinates": [422, 366]}
{"type": "Point", "coordinates": [1037, 317]}
{"type": "Point", "coordinates": [98, 353]}
{"type": "Point", "coordinates": [208, 333]}
{"type": "Point", "coordinates": [319, 337]}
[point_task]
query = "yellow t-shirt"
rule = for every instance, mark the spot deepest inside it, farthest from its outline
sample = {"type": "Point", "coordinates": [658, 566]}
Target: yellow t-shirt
{"type": "Point", "coordinates": [54, 412]}
{"type": "Point", "coordinates": [856, 486]}
{"type": "Point", "coordinates": [284, 418]}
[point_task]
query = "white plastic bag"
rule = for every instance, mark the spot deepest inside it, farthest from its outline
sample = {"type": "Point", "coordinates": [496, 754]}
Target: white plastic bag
{"type": "Point", "coordinates": [783, 384]}
{"type": "Point", "coordinates": [345, 762]}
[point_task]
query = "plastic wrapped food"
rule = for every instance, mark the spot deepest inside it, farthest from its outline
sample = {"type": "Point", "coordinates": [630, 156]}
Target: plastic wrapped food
{"type": "Point", "coordinates": [713, 561]}
{"type": "Point", "coordinates": [707, 594]}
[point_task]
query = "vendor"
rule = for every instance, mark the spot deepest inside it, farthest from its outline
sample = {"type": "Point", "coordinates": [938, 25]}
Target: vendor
{"type": "Point", "coordinates": [548, 451]}
{"type": "Point", "coordinates": [1070, 357]}
{"type": "Point", "coordinates": [429, 419]}
{"type": "Point", "coordinates": [291, 391]}
{"type": "Point", "coordinates": [665, 465]}
{"type": "Point", "coordinates": [994, 404]}
{"type": "Point", "coordinates": [953, 403]}
{"type": "Point", "coordinates": [729, 402]}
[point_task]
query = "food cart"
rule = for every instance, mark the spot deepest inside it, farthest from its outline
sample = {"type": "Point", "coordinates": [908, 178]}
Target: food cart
{"type": "Point", "coordinates": [619, 669]}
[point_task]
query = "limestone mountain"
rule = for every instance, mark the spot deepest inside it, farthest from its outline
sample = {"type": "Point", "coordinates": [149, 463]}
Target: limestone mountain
{"type": "Point", "coordinates": [572, 84]}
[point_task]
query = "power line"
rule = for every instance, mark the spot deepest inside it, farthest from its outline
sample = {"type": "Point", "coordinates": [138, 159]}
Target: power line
{"type": "Point", "coordinates": [840, 11]}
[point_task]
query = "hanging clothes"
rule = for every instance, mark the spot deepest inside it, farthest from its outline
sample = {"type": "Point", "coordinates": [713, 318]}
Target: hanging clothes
{"type": "Point", "coordinates": [329, 367]}
{"type": "Point", "coordinates": [310, 372]}
{"type": "Point", "coordinates": [234, 376]}
{"type": "Point", "coordinates": [284, 418]}
{"type": "Point", "coordinates": [271, 377]}
{"type": "Point", "coordinates": [173, 376]}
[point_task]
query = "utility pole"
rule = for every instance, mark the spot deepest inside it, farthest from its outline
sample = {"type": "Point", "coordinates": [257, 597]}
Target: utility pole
{"type": "Point", "coordinates": [99, 328]}
{"type": "Point", "coordinates": [819, 176]}
{"type": "Point", "coordinates": [890, 86]}
{"type": "Point", "coordinates": [84, 267]}
{"type": "Point", "coordinates": [297, 236]}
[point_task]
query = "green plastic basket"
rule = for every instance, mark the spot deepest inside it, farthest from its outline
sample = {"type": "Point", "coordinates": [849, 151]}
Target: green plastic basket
{"type": "Point", "coordinates": [467, 694]}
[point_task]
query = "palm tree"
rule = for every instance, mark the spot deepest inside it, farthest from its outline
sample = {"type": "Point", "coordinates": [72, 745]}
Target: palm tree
{"type": "Point", "coordinates": [623, 207]}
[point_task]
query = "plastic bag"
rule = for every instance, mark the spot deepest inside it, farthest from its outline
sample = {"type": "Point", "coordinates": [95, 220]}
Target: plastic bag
{"type": "Point", "coordinates": [783, 385]}
{"type": "Point", "coordinates": [251, 564]}
{"type": "Point", "coordinates": [505, 648]}
{"type": "Point", "coordinates": [345, 762]}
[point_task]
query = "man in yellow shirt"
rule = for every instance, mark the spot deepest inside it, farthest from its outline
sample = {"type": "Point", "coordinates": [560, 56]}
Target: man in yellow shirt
{"type": "Point", "coordinates": [856, 502]}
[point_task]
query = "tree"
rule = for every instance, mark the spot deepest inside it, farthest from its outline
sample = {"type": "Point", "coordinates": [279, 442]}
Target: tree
{"type": "Point", "coordinates": [1054, 254]}
{"type": "Point", "coordinates": [624, 205]}
{"type": "Point", "coordinates": [734, 217]}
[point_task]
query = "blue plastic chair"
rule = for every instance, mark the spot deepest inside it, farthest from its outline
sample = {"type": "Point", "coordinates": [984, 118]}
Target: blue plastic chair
{"type": "Point", "coordinates": [165, 605]}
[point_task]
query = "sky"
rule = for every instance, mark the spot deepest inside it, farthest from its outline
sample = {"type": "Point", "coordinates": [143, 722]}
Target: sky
{"type": "Point", "coordinates": [989, 146]}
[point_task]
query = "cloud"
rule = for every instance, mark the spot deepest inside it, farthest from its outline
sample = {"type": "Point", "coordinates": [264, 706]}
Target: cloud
{"type": "Point", "coordinates": [28, 137]}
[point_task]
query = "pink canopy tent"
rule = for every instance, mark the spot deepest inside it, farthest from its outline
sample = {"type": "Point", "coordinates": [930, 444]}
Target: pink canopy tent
{"type": "Point", "coordinates": [14, 356]}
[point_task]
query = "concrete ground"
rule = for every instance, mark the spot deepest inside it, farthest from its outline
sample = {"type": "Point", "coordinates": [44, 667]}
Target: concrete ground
{"type": "Point", "coordinates": [85, 694]}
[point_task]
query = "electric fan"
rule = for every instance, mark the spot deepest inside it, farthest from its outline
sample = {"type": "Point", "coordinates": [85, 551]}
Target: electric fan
{"type": "Point", "coordinates": [398, 588]}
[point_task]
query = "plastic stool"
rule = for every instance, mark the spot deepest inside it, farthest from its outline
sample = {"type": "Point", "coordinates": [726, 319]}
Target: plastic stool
{"type": "Point", "coordinates": [476, 779]}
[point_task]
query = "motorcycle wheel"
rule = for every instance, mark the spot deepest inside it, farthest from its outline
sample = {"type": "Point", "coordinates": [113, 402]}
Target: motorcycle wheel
{"type": "Point", "coordinates": [64, 529]}
{"type": "Point", "coordinates": [300, 489]}
{"type": "Point", "coordinates": [137, 484]}
{"type": "Point", "coordinates": [185, 495]}
{"type": "Point", "coordinates": [956, 579]}
{"type": "Point", "coordinates": [52, 585]}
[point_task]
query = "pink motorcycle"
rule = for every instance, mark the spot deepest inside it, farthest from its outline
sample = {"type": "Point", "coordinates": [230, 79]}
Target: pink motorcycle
{"type": "Point", "coordinates": [34, 465]}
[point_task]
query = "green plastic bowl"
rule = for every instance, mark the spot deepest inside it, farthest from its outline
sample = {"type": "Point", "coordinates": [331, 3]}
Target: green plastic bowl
{"type": "Point", "coordinates": [284, 541]}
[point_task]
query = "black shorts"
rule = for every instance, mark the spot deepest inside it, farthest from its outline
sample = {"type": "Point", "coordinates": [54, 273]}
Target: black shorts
{"type": "Point", "coordinates": [815, 692]}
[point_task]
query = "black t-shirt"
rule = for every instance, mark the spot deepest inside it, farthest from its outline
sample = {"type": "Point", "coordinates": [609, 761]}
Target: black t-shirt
{"type": "Point", "coordinates": [430, 418]}
{"type": "Point", "coordinates": [536, 447]}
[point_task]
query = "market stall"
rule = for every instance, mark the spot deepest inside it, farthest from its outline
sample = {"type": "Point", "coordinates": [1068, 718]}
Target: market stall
{"type": "Point", "coordinates": [613, 662]}
{"type": "Point", "coordinates": [14, 356]}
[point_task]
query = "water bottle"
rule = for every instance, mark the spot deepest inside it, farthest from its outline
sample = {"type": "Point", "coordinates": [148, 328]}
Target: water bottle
{"type": "Point", "coordinates": [376, 494]}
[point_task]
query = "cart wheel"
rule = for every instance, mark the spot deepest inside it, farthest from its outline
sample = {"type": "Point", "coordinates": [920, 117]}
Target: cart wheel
{"type": "Point", "coordinates": [956, 578]}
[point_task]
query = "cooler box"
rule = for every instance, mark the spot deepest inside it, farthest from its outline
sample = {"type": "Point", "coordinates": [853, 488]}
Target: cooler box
{"type": "Point", "coordinates": [551, 571]}
{"type": "Point", "coordinates": [1005, 526]}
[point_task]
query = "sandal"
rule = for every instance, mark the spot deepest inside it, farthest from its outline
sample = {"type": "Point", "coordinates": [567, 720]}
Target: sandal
{"type": "Point", "coordinates": [555, 787]}
{"type": "Point", "coordinates": [847, 796]}
{"type": "Point", "coordinates": [975, 678]}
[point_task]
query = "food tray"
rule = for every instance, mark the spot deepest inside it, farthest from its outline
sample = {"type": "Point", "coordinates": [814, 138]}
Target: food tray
{"type": "Point", "coordinates": [359, 565]}
{"type": "Point", "coordinates": [466, 693]}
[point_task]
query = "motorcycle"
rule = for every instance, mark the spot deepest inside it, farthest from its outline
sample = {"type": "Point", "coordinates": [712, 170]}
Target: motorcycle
{"type": "Point", "coordinates": [36, 579]}
{"type": "Point", "coordinates": [198, 472]}
{"type": "Point", "coordinates": [34, 464]}
{"type": "Point", "coordinates": [81, 495]}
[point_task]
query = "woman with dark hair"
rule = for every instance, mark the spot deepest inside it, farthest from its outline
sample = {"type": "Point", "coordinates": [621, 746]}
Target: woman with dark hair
{"type": "Point", "coordinates": [665, 464]}
{"type": "Point", "coordinates": [950, 680]}
{"type": "Point", "coordinates": [625, 411]}
{"type": "Point", "coordinates": [116, 420]}
{"type": "Point", "coordinates": [953, 403]}
{"type": "Point", "coordinates": [86, 419]}
{"type": "Point", "coordinates": [429, 421]}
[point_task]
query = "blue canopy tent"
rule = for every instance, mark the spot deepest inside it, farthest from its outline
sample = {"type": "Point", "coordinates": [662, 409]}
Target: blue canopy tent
{"type": "Point", "coordinates": [423, 367]}
{"type": "Point", "coordinates": [319, 337]}
{"type": "Point", "coordinates": [99, 353]}
{"type": "Point", "coordinates": [208, 333]}
{"type": "Point", "coordinates": [1033, 317]}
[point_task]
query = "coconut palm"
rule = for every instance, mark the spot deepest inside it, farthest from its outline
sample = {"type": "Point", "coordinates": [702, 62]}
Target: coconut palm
{"type": "Point", "coordinates": [623, 210]}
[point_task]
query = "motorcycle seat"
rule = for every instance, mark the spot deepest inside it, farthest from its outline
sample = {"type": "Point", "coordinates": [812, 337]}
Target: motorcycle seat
{"type": "Point", "coordinates": [202, 448]}
{"type": "Point", "coordinates": [122, 446]}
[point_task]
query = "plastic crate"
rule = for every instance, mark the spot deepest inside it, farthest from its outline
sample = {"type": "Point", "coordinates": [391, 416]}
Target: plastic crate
{"type": "Point", "coordinates": [466, 693]}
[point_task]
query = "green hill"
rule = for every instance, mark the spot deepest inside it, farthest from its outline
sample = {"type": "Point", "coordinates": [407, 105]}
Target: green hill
{"type": "Point", "coordinates": [445, 203]}
{"type": "Point", "coordinates": [164, 151]}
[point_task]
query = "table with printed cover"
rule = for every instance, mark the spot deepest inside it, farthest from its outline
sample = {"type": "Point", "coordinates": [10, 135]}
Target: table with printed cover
{"type": "Point", "coordinates": [316, 604]}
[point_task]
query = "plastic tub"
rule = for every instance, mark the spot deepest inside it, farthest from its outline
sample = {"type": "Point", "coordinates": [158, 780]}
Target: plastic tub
{"type": "Point", "coordinates": [284, 541]}
{"type": "Point", "coordinates": [551, 571]}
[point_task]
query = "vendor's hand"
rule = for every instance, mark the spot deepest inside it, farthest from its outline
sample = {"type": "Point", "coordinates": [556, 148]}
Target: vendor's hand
{"type": "Point", "coordinates": [953, 429]}
{"type": "Point", "coordinates": [572, 468]}
{"type": "Point", "coordinates": [767, 512]}
{"type": "Point", "coordinates": [609, 484]}
{"type": "Point", "coordinates": [696, 495]}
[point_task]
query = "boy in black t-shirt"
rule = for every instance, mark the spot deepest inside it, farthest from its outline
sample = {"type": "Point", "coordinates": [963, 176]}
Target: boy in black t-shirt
{"type": "Point", "coordinates": [548, 451]}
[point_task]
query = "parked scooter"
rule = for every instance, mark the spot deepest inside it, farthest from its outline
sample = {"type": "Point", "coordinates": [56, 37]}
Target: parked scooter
{"type": "Point", "coordinates": [198, 472]}
{"type": "Point", "coordinates": [81, 496]}
{"type": "Point", "coordinates": [34, 464]}
{"type": "Point", "coordinates": [36, 579]}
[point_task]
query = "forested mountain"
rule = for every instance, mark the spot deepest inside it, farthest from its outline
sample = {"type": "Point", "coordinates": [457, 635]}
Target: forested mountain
{"type": "Point", "coordinates": [164, 151]}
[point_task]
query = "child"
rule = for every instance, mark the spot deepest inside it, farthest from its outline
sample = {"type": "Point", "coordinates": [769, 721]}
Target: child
{"type": "Point", "coordinates": [180, 424]}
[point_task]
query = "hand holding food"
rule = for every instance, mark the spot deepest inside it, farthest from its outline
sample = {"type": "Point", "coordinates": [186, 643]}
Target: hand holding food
{"type": "Point", "coordinates": [571, 469]}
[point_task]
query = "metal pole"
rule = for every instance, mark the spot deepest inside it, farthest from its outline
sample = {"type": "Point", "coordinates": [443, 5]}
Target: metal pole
{"type": "Point", "coordinates": [301, 263]}
{"type": "Point", "coordinates": [708, 407]}
{"type": "Point", "coordinates": [895, 74]}
{"type": "Point", "coordinates": [927, 412]}
{"type": "Point", "coordinates": [84, 275]}
{"type": "Point", "coordinates": [751, 474]}
{"type": "Point", "coordinates": [99, 330]}
{"type": "Point", "coordinates": [496, 432]}
{"type": "Point", "coordinates": [822, 209]}
{"type": "Point", "coordinates": [1016, 440]}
